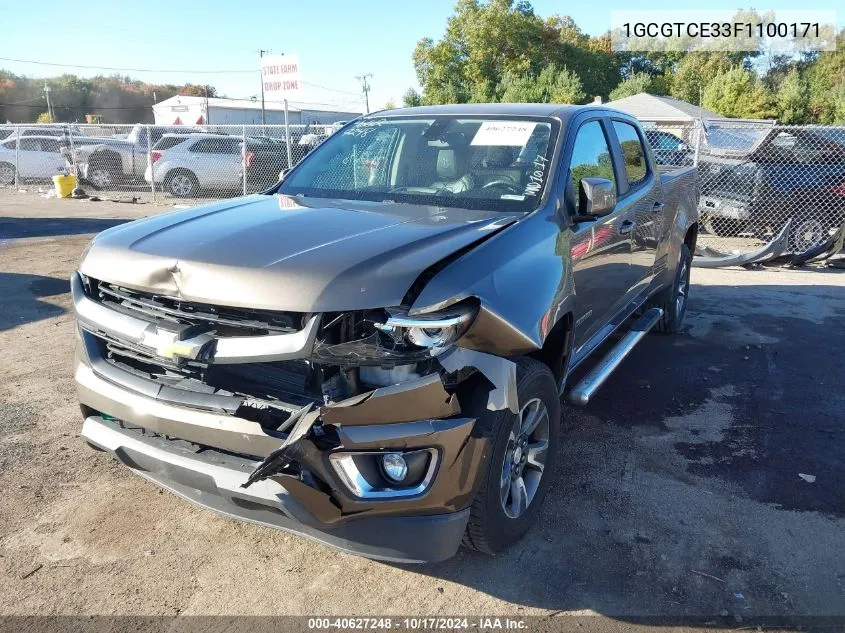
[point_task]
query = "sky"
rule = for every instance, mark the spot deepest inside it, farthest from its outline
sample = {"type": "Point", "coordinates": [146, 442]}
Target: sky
{"type": "Point", "coordinates": [335, 40]}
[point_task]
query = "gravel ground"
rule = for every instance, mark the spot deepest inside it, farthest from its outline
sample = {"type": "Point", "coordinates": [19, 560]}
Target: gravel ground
{"type": "Point", "coordinates": [679, 492]}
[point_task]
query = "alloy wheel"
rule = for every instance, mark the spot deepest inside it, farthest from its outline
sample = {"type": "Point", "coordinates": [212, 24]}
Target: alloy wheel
{"type": "Point", "coordinates": [100, 177]}
{"type": "Point", "coordinates": [525, 458]}
{"type": "Point", "coordinates": [181, 185]}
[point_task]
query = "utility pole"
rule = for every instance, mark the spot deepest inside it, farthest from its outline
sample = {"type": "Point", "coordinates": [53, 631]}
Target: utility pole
{"type": "Point", "coordinates": [207, 114]}
{"type": "Point", "coordinates": [263, 120]}
{"type": "Point", "coordinates": [365, 86]}
{"type": "Point", "coordinates": [49, 105]}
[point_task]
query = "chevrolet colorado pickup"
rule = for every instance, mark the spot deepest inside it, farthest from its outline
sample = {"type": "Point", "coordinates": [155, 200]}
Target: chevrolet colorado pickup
{"type": "Point", "coordinates": [372, 353]}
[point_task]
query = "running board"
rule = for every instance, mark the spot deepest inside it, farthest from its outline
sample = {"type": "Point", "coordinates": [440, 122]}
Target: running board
{"type": "Point", "coordinates": [581, 393]}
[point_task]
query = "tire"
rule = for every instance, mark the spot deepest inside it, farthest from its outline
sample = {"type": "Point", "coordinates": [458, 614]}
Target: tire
{"type": "Point", "coordinates": [182, 183]}
{"type": "Point", "coordinates": [102, 172]}
{"type": "Point", "coordinates": [496, 518]}
{"type": "Point", "coordinates": [673, 300]}
{"type": "Point", "coordinates": [810, 228]}
{"type": "Point", "coordinates": [7, 174]}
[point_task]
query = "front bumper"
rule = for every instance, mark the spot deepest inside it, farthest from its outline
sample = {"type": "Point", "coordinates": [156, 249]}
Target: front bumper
{"type": "Point", "coordinates": [319, 496]}
{"type": "Point", "coordinates": [213, 480]}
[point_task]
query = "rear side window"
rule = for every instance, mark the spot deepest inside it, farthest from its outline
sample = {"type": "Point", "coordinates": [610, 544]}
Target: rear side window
{"type": "Point", "coordinates": [632, 150]}
{"type": "Point", "coordinates": [167, 142]}
{"type": "Point", "coordinates": [49, 145]}
{"type": "Point", "coordinates": [30, 145]}
{"type": "Point", "coordinates": [590, 158]}
{"type": "Point", "coordinates": [218, 146]}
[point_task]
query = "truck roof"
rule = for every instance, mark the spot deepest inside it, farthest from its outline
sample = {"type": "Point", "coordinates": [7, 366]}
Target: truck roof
{"type": "Point", "coordinates": [557, 110]}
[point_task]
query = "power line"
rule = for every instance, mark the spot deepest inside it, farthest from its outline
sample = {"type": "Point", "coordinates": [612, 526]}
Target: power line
{"type": "Point", "coordinates": [132, 70]}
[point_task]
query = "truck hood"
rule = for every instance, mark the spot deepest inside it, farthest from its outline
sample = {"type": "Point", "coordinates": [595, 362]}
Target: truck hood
{"type": "Point", "coordinates": [287, 253]}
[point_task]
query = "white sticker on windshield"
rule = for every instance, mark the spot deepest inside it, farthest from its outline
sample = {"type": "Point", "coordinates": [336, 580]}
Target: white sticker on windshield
{"type": "Point", "coordinates": [510, 133]}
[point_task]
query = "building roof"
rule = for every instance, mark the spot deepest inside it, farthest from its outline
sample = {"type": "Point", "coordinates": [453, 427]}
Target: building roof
{"type": "Point", "coordinates": [242, 104]}
{"type": "Point", "coordinates": [653, 108]}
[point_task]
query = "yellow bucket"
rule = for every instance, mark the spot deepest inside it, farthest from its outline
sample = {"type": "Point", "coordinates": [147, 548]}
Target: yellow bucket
{"type": "Point", "coordinates": [64, 185]}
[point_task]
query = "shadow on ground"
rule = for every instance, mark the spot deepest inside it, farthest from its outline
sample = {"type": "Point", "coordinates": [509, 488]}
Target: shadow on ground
{"type": "Point", "coordinates": [16, 228]}
{"type": "Point", "coordinates": [21, 298]}
{"type": "Point", "coordinates": [678, 491]}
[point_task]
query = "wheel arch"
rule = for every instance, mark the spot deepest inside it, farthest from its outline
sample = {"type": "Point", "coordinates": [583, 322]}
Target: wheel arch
{"type": "Point", "coordinates": [557, 347]}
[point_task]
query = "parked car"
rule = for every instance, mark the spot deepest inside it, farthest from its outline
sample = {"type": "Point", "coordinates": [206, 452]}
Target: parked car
{"type": "Point", "coordinates": [669, 149]}
{"type": "Point", "coordinates": [372, 353]}
{"type": "Point", "coordinates": [110, 161]}
{"type": "Point", "coordinates": [38, 158]}
{"type": "Point", "coordinates": [263, 163]}
{"type": "Point", "coordinates": [789, 172]}
{"type": "Point", "coordinates": [183, 165]}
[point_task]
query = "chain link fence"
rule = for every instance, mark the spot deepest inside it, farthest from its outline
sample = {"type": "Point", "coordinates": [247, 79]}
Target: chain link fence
{"type": "Point", "coordinates": [767, 191]}
{"type": "Point", "coordinates": [156, 163]}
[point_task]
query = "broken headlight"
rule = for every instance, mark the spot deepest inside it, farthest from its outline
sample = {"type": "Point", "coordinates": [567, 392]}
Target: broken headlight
{"type": "Point", "coordinates": [391, 336]}
{"type": "Point", "coordinates": [436, 331]}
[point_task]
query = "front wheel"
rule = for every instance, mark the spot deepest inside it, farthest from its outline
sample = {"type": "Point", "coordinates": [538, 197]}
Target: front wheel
{"type": "Point", "coordinates": [524, 452]}
{"type": "Point", "coordinates": [182, 184]}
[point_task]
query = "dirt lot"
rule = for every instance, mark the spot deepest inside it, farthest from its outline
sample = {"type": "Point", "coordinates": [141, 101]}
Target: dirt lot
{"type": "Point", "coordinates": [679, 492]}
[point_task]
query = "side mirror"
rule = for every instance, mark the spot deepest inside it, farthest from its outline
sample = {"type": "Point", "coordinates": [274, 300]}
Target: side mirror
{"type": "Point", "coordinates": [597, 197]}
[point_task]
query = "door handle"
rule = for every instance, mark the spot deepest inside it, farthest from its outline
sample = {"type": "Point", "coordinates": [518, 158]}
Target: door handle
{"type": "Point", "coordinates": [658, 206]}
{"type": "Point", "coordinates": [627, 226]}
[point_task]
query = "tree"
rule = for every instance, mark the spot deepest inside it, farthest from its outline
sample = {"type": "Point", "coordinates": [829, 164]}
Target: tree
{"type": "Point", "coordinates": [839, 104]}
{"type": "Point", "coordinates": [633, 85]}
{"type": "Point", "coordinates": [489, 45]}
{"type": "Point", "coordinates": [793, 98]}
{"type": "Point", "coordinates": [550, 86]}
{"type": "Point", "coordinates": [411, 98]}
{"type": "Point", "coordinates": [824, 78]}
{"type": "Point", "coordinates": [390, 104]}
{"type": "Point", "coordinates": [694, 72]}
{"type": "Point", "coordinates": [738, 93]}
{"type": "Point", "coordinates": [44, 117]}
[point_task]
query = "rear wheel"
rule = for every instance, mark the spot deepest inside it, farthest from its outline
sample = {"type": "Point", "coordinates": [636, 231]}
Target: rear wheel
{"type": "Point", "coordinates": [673, 300]}
{"type": "Point", "coordinates": [522, 462]}
{"type": "Point", "coordinates": [7, 174]}
{"type": "Point", "coordinates": [182, 184]}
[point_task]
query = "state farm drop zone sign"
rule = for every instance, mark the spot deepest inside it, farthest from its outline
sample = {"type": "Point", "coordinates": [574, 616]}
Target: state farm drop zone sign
{"type": "Point", "coordinates": [280, 75]}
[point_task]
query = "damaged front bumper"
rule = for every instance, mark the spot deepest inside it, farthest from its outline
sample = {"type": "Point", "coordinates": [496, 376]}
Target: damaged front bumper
{"type": "Point", "coordinates": [314, 478]}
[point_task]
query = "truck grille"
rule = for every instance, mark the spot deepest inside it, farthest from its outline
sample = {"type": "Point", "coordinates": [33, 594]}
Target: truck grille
{"type": "Point", "coordinates": [227, 321]}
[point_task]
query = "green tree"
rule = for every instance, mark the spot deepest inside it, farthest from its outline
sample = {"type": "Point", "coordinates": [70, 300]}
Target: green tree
{"type": "Point", "coordinates": [839, 104]}
{"type": "Point", "coordinates": [793, 98]}
{"type": "Point", "coordinates": [552, 85]}
{"type": "Point", "coordinates": [489, 45]}
{"type": "Point", "coordinates": [44, 117]}
{"type": "Point", "coordinates": [738, 93]}
{"type": "Point", "coordinates": [390, 104]}
{"type": "Point", "coordinates": [411, 98]}
{"type": "Point", "coordinates": [633, 85]}
{"type": "Point", "coordinates": [824, 77]}
{"type": "Point", "coordinates": [694, 72]}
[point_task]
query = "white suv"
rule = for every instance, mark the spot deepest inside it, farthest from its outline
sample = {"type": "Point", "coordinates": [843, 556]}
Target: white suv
{"type": "Point", "coordinates": [185, 164]}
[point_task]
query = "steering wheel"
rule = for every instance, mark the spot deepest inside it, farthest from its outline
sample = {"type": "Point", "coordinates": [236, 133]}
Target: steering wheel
{"type": "Point", "coordinates": [512, 186]}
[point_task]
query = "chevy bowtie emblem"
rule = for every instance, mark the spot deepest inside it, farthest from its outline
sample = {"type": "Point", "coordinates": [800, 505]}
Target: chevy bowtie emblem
{"type": "Point", "coordinates": [187, 342]}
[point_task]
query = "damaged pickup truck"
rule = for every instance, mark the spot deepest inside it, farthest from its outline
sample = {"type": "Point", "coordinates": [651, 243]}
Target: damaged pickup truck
{"type": "Point", "coordinates": [371, 354]}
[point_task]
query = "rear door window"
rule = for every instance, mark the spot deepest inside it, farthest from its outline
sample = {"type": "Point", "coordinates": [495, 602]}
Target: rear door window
{"type": "Point", "coordinates": [167, 142]}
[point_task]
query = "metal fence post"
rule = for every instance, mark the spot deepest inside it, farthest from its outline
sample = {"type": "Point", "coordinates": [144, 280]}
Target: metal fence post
{"type": "Point", "coordinates": [699, 128]}
{"type": "Point", "coordinates": [243, 154]}
{"type": "Point", "coordinates": [152, 164]}
{"type": "Point", "coordinates": [287, 133]}
{"type": "Point", "coordinates": [17, 148]}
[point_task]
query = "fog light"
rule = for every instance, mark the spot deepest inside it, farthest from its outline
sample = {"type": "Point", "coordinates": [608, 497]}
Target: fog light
{"type": "Point", "coordinates": [395, 466]}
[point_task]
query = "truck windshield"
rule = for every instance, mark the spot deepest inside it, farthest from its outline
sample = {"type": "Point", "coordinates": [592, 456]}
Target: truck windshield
{"type": "Point", "coordinates": [489, 163]}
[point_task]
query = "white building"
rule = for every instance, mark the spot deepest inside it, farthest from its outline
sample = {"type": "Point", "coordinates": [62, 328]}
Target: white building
{"type": "Point", "coordinates": [184, 110]}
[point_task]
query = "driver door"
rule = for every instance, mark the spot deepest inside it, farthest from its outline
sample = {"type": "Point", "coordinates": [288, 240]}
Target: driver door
{"type": "Point", "coordinates": [601, 248]}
